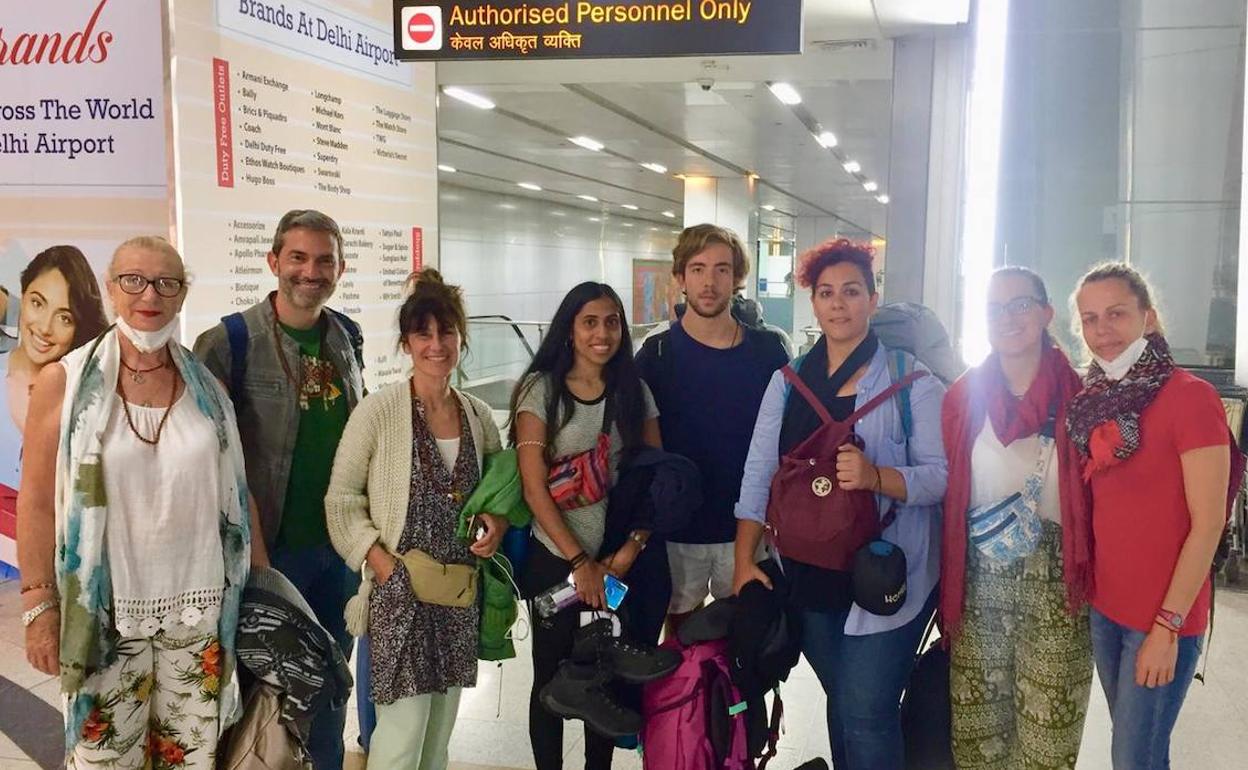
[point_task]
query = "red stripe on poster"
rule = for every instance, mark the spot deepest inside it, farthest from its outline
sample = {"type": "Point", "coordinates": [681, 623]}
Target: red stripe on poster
{"type": "Point", "coordinates": [221, 114]}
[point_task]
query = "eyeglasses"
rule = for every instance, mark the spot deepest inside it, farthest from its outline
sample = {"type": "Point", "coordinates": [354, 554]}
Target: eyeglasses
{"type": "Point", "coordinates": [133, 283]}
{"type": "Point", "coordinates": [1014, 308]}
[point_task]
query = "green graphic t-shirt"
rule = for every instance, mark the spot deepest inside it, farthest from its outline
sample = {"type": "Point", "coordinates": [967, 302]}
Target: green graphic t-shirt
{"type": "Point", "coordinates": [322, 417]}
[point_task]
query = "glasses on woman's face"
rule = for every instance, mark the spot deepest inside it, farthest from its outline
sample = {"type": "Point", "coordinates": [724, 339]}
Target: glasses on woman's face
{"type": "Point", "coordinates": [133, 283]}
{"type": "Point", "coordinates": [1014, 308]}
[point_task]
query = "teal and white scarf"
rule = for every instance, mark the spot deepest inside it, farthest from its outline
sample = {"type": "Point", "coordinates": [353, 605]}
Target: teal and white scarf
{"type": "Point", "coordinates": [88, 638]}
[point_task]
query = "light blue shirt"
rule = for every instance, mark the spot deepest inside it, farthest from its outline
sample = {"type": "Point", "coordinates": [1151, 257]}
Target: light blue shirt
{"type": "Point", "coordinates": [917, 526]}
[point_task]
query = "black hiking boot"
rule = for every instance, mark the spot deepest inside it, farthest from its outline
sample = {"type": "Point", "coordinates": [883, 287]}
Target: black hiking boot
{"type": "Point", "coordinates": [633, 662]}
{"type": "Point", "coordinates": [577, 692]}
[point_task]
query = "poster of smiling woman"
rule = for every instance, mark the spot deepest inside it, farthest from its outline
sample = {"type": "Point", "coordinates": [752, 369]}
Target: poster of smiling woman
{"type": "Point", "coordinates": [47, 308]}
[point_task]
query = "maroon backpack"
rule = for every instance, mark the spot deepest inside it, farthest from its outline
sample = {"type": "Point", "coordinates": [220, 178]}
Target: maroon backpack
{"type": "Point", "coordinates": [811, 518]}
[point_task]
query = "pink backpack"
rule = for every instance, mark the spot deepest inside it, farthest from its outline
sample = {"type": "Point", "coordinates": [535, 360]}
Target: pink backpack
{"type": "Point", "coordinates": [692, 721]}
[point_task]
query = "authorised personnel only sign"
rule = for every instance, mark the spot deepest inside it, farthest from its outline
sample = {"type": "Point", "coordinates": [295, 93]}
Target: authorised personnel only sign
{"type": "Point", "coordinates": [568, 29]}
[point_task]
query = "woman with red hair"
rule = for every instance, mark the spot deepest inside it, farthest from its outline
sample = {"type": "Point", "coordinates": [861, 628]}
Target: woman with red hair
{"type": "Point", "coordinates": [862, 659]}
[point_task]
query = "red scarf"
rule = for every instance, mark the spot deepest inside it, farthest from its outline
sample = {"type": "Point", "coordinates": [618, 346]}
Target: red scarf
{"type": "Point", "coordinates": [982, 393]}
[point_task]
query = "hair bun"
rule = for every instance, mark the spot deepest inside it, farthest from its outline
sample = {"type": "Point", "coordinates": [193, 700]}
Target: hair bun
{"type": "Point", "coordinates": [426, 277]}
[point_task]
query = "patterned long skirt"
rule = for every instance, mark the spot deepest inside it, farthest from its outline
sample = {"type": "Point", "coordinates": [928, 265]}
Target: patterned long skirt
{"type": "Point", "coordinates": [1021, 670]}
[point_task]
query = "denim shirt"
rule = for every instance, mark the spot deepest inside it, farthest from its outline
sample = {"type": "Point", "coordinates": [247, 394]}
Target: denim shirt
{"type": "Point", "coordinates": [917, 526]}
{"type": "Point", "coordinates": [268, 418]}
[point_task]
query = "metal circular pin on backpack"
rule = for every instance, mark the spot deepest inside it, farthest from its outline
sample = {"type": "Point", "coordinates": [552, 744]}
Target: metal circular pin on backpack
{"type": "Point", "coordinates": [821, 486]}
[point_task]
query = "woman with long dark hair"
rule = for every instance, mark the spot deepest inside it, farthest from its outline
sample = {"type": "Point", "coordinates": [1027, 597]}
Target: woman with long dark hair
{"type": "Point", "coordinates": [581, 405]}
{"type": "Point", "coordinates": [59, 308]}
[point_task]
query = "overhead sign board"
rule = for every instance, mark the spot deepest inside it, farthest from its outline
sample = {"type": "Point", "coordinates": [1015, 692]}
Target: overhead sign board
{"type": "Point", "coordinates": [570, 29]}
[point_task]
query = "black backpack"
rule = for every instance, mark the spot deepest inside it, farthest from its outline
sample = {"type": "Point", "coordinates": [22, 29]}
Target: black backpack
{"type": "Point", "coordinates": [926, 710]}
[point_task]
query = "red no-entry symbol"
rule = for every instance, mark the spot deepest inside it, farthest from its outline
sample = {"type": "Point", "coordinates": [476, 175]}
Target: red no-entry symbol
{"type": "Point", "coordinates": [421, 27]}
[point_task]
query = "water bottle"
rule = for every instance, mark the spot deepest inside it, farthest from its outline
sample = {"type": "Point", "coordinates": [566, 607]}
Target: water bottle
{"type": "Point", "coordinates": [558, 597]}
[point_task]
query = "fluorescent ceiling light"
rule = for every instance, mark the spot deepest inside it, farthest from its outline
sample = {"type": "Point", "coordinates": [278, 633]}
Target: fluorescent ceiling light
{"type": "Point", "coordinates": [657, 168]}
{"type": "Point", "coordinates": [628, 206]}
{"type": "Point", "coordinates": [468, 97]}
{"type": "Point", "coordinates": [655, 229]}
{"type": "Point", "coordinates": [870, 186]}
{"type": "Point", "coordinates": [589, 198]}
{"type": "Point", "coordinates": [595, 219]}
{"type": "Point", "coordinates": [883, 198]}
{"type": "Point", "coordinates": [827, 139]}
{"type": "Point", "coordinates": [852, 166]}
{"type": "Point", "coordinates": [446, 168]}
{"type": "Point", "coordinates": [769, 207]}
{"type": "Point", "coordinates": [558, 214]}
{"type": "Point", "coordinates": [529, 186]}
{"type": "Point", "coordinates": [786, 93]}
{"type": "Point", "coordinates": [586, 142]}
{"type": "Point", "coordinates": [669, 214]}
{"type": "Point", "coordinates": [627, 224]}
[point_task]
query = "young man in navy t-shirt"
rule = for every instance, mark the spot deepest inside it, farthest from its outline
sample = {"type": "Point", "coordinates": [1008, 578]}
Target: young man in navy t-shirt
{"type": "Point", "coordinates": [708, 373]}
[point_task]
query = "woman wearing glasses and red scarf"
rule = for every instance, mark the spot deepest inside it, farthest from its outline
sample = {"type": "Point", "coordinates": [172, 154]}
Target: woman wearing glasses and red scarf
{"type": "Point", "coordinates": [1154, 442]}
{"type": "Point", "coordinates": [1016, 555]}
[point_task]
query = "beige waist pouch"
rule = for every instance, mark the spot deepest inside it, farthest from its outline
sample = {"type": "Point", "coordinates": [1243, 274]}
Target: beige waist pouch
{"type": "Point", "coordinates": [448, 585]}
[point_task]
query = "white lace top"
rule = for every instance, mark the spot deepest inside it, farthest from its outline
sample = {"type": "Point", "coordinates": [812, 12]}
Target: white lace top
{"type": "Point", "coordinates": [164, 547]}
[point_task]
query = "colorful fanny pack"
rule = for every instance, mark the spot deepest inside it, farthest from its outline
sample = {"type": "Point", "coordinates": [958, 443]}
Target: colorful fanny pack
{"type": "Point", "coordinates": [583, 479]}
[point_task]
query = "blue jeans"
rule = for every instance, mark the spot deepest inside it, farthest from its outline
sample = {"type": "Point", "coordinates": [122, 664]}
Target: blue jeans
{"type": "Point", "coordinates": [1142, 717]}
{"type": "Point", "coordinates": [326, 583]}
{"type": "Point", "coordinates": [365, 709]}
{"type": "Point", "coordinates": [863, 677]}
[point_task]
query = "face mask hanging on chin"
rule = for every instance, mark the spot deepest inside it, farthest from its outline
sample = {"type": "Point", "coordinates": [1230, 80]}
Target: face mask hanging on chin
{"type": "Point", "coordinates": [147, 342]}
{"type": "Point", "coordinates": [1118, 368]}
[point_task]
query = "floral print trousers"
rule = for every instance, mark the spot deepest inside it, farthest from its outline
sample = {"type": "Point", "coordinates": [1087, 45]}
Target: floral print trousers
{"type": "Point", "coordinates": [1021, 670]}
{"type": "Point", "coordinates": [156, 705]}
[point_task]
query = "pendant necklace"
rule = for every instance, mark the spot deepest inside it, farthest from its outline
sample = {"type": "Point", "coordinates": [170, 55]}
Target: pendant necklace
{"type": "Point", "coordinates": [136, 375]}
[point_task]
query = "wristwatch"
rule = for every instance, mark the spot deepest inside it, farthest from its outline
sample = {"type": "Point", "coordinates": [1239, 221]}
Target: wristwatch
{"type": "Point", "coordinates": [1172, 619]}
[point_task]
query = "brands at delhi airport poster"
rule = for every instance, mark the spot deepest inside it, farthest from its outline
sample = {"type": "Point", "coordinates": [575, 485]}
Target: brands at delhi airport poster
{"type": "Point", "coordinates": [82, 167]}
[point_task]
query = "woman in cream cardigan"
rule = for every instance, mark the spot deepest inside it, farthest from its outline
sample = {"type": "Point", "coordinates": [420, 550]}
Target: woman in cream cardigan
{"type": "Point", "coordinates": [410, 455]}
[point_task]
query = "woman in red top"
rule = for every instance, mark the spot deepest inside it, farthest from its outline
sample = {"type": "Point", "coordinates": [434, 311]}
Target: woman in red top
{"type": "Point", "coordinates": [1154, 441]}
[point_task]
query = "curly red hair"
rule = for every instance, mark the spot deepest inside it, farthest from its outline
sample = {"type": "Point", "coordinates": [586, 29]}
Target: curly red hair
{"type": "Point", "coordinates": [833, 252]}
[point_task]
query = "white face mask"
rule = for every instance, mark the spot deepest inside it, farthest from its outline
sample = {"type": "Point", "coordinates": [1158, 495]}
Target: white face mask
{"type": "Point", "coordinates": [146, 342]}
{"type": "Point", "coordinates": [1118, 368]}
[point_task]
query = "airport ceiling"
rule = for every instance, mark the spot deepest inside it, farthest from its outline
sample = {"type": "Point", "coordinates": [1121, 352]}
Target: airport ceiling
{"type": "Point", "coordinates": [696, 116]}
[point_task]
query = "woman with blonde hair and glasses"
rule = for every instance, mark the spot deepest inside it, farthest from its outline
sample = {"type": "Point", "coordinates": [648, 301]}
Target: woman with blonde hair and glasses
{"type": "Point", "coordinates": [1158, 454]}
{"type": "Point", "coordinates": [134, 535]}
{"type": "Point", "coordinates": [1013, 590]}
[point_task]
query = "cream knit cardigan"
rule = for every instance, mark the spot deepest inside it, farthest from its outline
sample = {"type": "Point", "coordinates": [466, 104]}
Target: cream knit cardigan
{"type": "Point", "coordinates": [369, 488]}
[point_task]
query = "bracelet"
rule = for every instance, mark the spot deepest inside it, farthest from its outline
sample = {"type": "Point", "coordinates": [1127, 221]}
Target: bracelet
{"type": "Point", "coordinates": [542, 444]}
{"type": "Point", "coordinates": [577, 560]}
{"type": "Point", "coordinates": [29, 615]}
{"type": "Point", "coordinates": [1174, 633]}
{"type": "Point", "coordinates": [638, 539]}
{"type": "Point", "coordinates": [36, 586]}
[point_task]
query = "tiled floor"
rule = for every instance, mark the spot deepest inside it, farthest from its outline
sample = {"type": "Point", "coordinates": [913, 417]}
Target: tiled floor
{"type": "Point", "coordinates": [491, 732]}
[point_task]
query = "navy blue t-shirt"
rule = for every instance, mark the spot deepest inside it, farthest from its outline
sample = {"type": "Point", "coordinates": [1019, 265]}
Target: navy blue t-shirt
{"type": "Point", "coordinates": [708, 400]}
